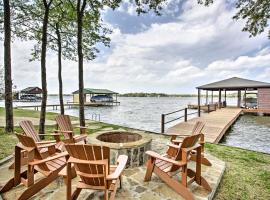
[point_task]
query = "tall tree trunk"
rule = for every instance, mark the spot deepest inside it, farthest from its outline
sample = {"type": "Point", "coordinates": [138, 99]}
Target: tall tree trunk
{"type": "Point", "coordinates": [7, 63]}
{"type": "Point", "coordinates": [43, 69]}
{"type": "Point", "coordinates": [59, 43]}
{"type": "Point", "coordinates": [80, 11]}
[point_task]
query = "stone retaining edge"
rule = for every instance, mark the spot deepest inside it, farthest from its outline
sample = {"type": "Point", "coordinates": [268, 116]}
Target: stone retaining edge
{"type": "Point", "coordinates": [6, 159]}
{"type": "Point", "coordinates": [214, 190]}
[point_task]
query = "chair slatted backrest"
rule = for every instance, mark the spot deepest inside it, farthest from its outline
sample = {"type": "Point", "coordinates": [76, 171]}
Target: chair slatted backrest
{"type": "Point", "coordinates": [64, 124]}
{"type": "Point", "coordinates": [93, 174]}
{"type": "Point", "coordinates": [29, 130]}
{"type": "Point", "coordinates": [29, 143]}
{"type": "Point", "coordinates": [198, 127]}
{"type": "Point", "coordinates": [188, 142]}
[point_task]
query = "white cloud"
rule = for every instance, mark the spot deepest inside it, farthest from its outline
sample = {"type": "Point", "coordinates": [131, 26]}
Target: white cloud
{"type": "Point", "coordinates": [203, 44]}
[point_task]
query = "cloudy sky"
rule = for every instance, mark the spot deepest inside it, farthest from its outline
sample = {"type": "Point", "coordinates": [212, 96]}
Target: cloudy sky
{"type": "Point", "coordinates": [187, 46]}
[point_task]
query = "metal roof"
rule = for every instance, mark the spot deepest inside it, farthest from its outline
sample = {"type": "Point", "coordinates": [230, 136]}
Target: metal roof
{"type": "Point", "coordinates": [32, 90]}
{"type": "Point", "coordinates": [95, 91]}
{"type": "Point", "coordinates": [235, 83]}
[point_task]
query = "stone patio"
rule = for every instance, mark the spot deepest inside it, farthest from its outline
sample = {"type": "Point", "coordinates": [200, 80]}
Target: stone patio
{"type": "Point", "coordinates": [133, 185]}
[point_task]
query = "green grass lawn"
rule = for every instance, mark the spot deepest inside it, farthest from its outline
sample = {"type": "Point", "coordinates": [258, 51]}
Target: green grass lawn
{"type": "Point", "coordinates": [31, 113]}
{"type": "Point", "coordinates": [247, 174]}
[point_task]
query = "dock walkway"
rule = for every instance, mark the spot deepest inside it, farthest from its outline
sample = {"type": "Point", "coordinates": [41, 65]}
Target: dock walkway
{"type": "Point", "coordinates": [216, 124]}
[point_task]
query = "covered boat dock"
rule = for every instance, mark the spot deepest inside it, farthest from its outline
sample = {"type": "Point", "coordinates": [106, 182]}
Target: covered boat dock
{"type": "Point", "coordinates": [91, 92]}
{"type": "Point", "coordinates": [240, 85]}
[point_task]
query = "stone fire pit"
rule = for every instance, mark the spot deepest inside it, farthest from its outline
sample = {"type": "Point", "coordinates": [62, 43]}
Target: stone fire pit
{"type": "Point", "coordinates": [133, 144]}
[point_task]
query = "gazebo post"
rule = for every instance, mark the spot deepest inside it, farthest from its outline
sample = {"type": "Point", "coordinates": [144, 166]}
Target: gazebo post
{"type": "Point", "coordinates": [245, 101]}
{"type": "Point", "coordinates": [219, 98]}
{"type": "Point", "coordinates": [212, 97]}
{"type": "Point", "coordinates": [239, 99]}
{"type": "Point", "coordinates": [225, 97]}
{"type": "Point", "coordinates": [199, 102]}
{"type": "Point", "coordinates": [206, 100]}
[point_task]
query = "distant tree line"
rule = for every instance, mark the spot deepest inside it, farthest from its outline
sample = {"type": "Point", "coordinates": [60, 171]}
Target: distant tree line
{"type": "Point", "coordinates": [143, 94]}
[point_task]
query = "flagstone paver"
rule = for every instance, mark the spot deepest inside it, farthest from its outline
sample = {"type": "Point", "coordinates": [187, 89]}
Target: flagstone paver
{"type": "Point", "coordinates": [134, 188]}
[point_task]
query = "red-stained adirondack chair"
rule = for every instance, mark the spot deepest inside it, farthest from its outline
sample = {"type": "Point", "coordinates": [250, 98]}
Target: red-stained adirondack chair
{"type": "Point", "coordinates": [197, 129]}
{"type": "Point", "coordinates": [166, 166]}
{"type": "Point", "coordinates": [29, 130]}
{"type": "Point", "coordinates": [92, 165]}
{"type": "Point", "coordinates": [65, 127]}
{"type": "Point", "coordinates": [49, 167]}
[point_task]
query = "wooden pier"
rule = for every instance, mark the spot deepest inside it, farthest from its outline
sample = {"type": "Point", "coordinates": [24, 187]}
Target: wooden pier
{"type": "Point", "coordinates": [72, 104]}
{"type": "Point", "coordinates": [216, 124]}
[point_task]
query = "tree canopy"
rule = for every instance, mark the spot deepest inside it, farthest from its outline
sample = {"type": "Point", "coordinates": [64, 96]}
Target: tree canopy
{"type": "Point", "coordinates": [256, 14]}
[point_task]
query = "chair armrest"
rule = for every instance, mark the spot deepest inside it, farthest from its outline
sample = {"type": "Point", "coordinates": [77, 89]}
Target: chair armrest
{"type": "Point", "coordinates": [173, 145]}
{"type": "Point", "coordinates": [177, 134]}
{"type": "Point", "coordinates": [58, 131]}
{"type": "Point", "coordinates": [60, 155]}
{"type": "Point", "coordinates": [158, 156]}
{"type": "Point", "coordinates": [121, 164]}
{"type": "Point", "coordinates": [45, 142]}
{"type": "Point", "coordinates": [45, 145]}
{"type": "Point", "coordinates": [177, 141]}
{"type": "Point", "coordinates": [92, 162]}
{"type": "Point", "coordinates": [53, 134]}
{"type": "Point", "coordinates": [191, 148]}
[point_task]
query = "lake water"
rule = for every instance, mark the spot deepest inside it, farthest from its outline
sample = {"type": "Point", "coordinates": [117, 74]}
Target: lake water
{"type": "Point", "coordinates": [250, 132]}
{"type": "Point", "coordinates": [145, 113]}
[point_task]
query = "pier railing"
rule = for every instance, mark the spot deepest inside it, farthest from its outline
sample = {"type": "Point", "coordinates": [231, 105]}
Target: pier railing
{"type": "Point", "coordinates": [185, 116]}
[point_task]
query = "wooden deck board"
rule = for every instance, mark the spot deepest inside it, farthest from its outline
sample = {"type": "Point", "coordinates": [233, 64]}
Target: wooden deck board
{"type": "Point", "coordinates": [216, 124]}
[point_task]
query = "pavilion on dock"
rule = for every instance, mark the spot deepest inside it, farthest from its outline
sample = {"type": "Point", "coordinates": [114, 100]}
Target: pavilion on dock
{"type": "Point", "coordinates": [260, 89]}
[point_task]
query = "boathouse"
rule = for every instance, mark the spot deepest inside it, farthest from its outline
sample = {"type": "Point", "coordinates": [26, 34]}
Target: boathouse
{"type": "Point", "coordinates": [243, 87]}
{"type": "Point", "coordinates": [91, 92]}
{"type": "Point", "coordinates": [30, 92]}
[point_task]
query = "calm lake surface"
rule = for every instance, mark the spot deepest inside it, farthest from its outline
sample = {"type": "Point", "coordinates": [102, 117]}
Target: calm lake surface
{"type": "Point", "coordinates": [250, 132]}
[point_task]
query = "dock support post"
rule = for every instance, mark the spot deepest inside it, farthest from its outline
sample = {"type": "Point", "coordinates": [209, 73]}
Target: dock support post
{"type": "Point", "coordinates": [239, 99]}
{"type": "Point", "coordinates": [199, 102]}
{"type": "Point", "coordinates": [162, 123]}
{"type": "Point", "coordinates": [185, 114]}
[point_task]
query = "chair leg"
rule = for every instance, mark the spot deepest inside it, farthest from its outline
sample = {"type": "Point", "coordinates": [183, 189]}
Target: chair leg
{"type": "Point", "coordinates": [149, 169]}
{"type": "Point", "coordinates": [120, 181]}
{"type": "Point", "coordinates": [76, 193]}
{"type": "Point", "coordinates": [202, 182]}
{"type": "Point", "coordinates": [174, 184]}
{"type": "Point", "coordinates": [112, 195]}
{"type": "Point", "coordinates": [32, 190]}
{"type": "Point", "coordinates": [106, 195]}
{"type": "Point", "coordinates": [204, 161]}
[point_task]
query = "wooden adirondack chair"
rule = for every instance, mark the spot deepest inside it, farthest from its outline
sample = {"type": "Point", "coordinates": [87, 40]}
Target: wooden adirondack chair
{"type": "Point", "coordinates": [92, 165]}
{"type": "Point", "coordinates": [49, 167]}
{"type": "Point", "coordinates": [197, 129]}
{"type": "Point", "coordinates": [29, 130]}
{"type": "Point", "coordinates": [166, 166]}
{"type": "Point", "coordinates": [65, 127]}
